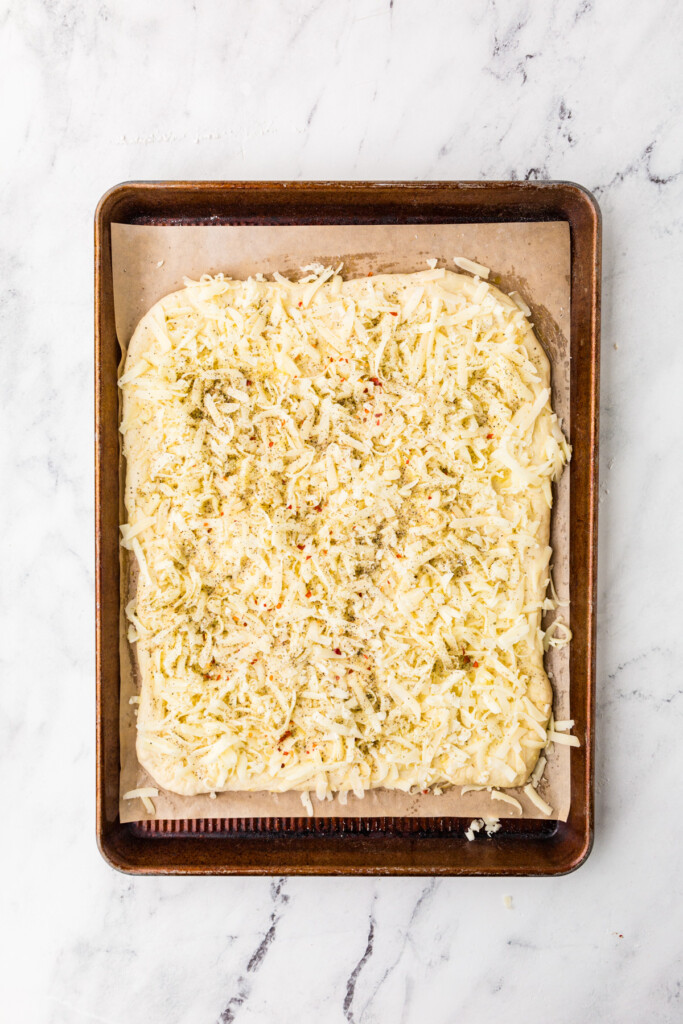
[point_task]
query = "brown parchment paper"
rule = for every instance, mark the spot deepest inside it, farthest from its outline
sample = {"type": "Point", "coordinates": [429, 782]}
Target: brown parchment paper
{"type": "Point", "coordinates": [531, 258]}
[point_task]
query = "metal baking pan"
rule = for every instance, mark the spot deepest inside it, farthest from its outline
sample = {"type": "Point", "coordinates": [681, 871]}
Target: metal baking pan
{"type": "Point", "coordinates": [353, 846]}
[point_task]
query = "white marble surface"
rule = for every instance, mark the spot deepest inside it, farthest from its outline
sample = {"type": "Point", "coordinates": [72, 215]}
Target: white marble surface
{"type": "Point", "coordinates": [95, 93]}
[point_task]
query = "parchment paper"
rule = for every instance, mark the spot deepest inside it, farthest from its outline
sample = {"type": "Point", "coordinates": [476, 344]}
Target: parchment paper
{"type": "Point", "coordinates": [532, 258]}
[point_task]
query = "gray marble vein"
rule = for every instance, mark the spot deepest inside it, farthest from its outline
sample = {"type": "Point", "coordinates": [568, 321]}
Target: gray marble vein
{"type": "Point", "coordinates": [92, 94]}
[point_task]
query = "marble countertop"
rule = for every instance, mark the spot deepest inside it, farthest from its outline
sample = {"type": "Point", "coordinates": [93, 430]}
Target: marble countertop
{"type": "Point", "coordinates": [92, 94]}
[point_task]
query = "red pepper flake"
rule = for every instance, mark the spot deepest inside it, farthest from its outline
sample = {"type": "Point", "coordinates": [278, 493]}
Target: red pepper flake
{"type": "Point", "coordinates": [309, 593]}
{"type": "Point", "coordinates": [318, 508]}
{"type": "Point", "coordinates": [248, 383]}
{"type": "Point", "coordinates": [476, 664]}
{"type": "Point", "coordinates": [376, 381]}
{"type": "Point", "coordinates": [209, 529]}
{"type": "Point", "coordinates": [271, 443]}
{"type": "Point", "coordinates": [370, 274]}
{"type": "Point", "coordinates": [393, 314]}
{"type": "Point", "coordinates": [300, 547]}
{"type": "Point", "coordinates": [278, 606]}
{"type": "Point", "coordinates": [300, 305]}
{"type": "Point", "coordinates": [289, 506]}
{"type": "Point", "coordinates": [285, 736]}
{"type": "Point", "coordinates": [465, 657]}
{"type": "Point", "coordinates": [337, 650]}
{"type": "Point", "coordinates": [489, 436]}
{"type": "Point", "coordinates": [425, 792]}
{"type": "Point", "coordinates": [308, 558]}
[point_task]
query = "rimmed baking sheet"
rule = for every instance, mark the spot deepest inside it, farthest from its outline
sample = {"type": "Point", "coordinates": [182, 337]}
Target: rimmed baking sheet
{"type": "Point", "coordinates": [347, 845]}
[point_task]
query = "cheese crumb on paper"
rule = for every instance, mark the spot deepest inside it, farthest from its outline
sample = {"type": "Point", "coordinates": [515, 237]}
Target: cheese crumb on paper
{"type": "Point", "coordinates": [143, 794]}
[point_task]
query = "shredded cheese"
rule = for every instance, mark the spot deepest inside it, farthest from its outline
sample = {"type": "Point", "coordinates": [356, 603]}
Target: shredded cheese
{"type": "Point", "coordinates": [490, 825]}
{"type": "Point", "coordinates": [338, 498]}
{"type": "Point", "coordinates": [563, 738]}
{"type": "Point", "coordinates": [471, 266]}
{"type": "Point", "coordinates": [537, 800]}
{"type": "Point", "coordinates": [506, 798]}
{"type": "Point", "coordinates": [537, 773]}
{"type": "Point", "coordinates": [143, 794]}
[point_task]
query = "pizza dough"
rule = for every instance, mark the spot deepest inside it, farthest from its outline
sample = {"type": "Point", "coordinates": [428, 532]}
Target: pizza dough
{"type": "Point", "coordinates": [338, 498]}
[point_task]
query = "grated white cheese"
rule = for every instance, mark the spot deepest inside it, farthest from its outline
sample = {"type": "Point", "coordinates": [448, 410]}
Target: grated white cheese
{"type": "Point", "coordinates": [490, 826]}
{"type": "Point", "coordinates": [537, 800]}
{"type": "Point", "coordinates": [537, 773]}
{"type": "Point", "coordinates": [549, 638]}
{"type": "Point", "coordinates": [471, 267]}
{"type": "Point", "coordinates": [563, 738]}
{"type": "Point", "coordinates": [519, 301]}
{"type": "Point", "coordinates": [338, 499]}
{"type": "Point", "coordinates": [306, 801]}
{"type": "Point", "coordinates": [475, 826]}
{"type": "Point", "coordinates": [143, 794]}
{"type": "Point", "coordinates": [506, 798]}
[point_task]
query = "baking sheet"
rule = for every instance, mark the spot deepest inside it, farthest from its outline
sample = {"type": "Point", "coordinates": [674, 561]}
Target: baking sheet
{"type": "Point", "coordinates": [534, 259]}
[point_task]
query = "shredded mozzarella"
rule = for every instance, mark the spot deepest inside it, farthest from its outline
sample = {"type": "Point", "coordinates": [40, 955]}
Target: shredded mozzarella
{"type": "Point", "coordinates": [143, 794]}
{"type": "Point", "coordinates": [475, 826]}
{"type": "Point", "coordinates": [471, 266]}
{"type": "Point", "coordinates": [338, 500]}
{"type": "Point", "coordinates": [537, 800]}
{"type": "Point", "coordinates": [563, 738]}
{"type": "Point", "coordinates": [506, 798]}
